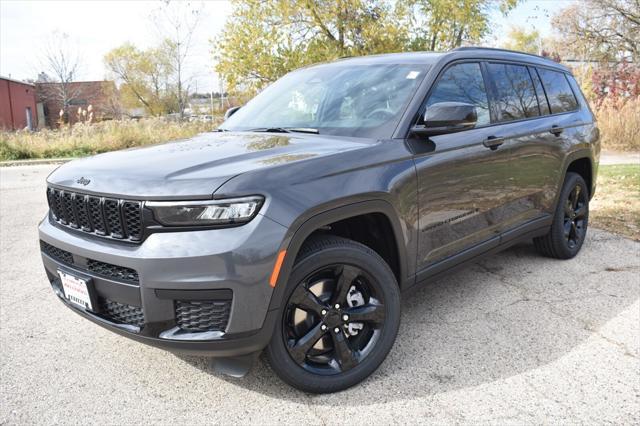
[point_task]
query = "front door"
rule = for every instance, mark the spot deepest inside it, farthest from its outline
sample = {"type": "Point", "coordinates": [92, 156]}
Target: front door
{"type": "Point", "coordinates": [462, 184]}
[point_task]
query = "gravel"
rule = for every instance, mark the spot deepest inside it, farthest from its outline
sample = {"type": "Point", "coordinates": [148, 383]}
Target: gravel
{"type": "Point", "coordinates": [513, 338]}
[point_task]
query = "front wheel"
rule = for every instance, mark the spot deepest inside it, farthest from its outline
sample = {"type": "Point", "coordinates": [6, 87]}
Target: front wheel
{"type": "Point", "coordinates": [340, 317]}
{"type": "Point", "coordinates": [570, 221]}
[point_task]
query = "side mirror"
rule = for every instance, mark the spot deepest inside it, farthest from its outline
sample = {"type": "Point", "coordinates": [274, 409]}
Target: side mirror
{"type": "Point", "coordinates": [230, 112]}
{"type": "Point", "coordinates": [447, 117]}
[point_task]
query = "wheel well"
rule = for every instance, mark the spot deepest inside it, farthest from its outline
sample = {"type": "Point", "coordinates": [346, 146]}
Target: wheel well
{"type": "Point", "coordinates": [582, 166]}
{"type": "Point", "coordinates": [374, 230]}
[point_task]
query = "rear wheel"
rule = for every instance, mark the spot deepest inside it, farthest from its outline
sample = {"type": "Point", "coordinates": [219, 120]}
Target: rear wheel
{"type": "Point", "coordinates": [340, 318]}
{"type": "Point", "coordinates": [569, 228]}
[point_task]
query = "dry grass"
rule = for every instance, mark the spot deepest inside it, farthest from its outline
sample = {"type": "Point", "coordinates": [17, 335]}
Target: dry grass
{"type": "Point", "coordinates": [87, 139]}
{"type": "Point", "coordinates": [616, 205]}
{"type": "Point", "coordinates": [620, 126]}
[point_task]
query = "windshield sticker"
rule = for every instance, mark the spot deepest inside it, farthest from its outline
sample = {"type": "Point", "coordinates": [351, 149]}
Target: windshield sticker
{"type": "Point", "coordinates": [412, 75]}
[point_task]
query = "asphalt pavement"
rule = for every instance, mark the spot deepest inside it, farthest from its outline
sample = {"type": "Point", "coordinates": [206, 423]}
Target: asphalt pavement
{"type": "Point", "coordinates": [512, 339]}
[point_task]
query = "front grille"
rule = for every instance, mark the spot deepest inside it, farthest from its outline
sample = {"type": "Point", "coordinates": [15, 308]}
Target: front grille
{"type": "Point", "coordinates": [116, 272]}
{"type": "Point", "coordinates": [114, 218]}
{"type": "Point", "coordinates": [60, 255]}
{"type": "Point", "coordinates": [202, 315]}
{"type": "Point", "coordinates": [120, 312]}
{"type": "Point", "coordinates": [106, 270]}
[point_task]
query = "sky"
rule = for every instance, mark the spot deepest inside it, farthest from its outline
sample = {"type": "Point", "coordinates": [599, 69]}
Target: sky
{"type": "Point", "coordinates": [99, 26]}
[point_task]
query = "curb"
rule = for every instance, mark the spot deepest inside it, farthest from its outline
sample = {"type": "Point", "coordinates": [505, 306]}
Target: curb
{"type": "Point", "coordinates": [36, 162]}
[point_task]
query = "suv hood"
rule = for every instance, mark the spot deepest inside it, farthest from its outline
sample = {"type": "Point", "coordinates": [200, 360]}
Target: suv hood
{"type": "Point", "coordinates": [193, 168]}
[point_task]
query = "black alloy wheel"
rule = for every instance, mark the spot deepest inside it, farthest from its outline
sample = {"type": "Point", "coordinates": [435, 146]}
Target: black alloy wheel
{"type": "Point", "coordinates": [575, 216]}
{"type": "Point", "coordinates": [340, 316]}
{"type": "Point", "coordinates": [333, 319]}
{"type": "Point", "coordinates": [571, 219]}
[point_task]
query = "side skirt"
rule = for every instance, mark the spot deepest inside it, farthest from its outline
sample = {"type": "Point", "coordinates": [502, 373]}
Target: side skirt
{"type": "Point", "coordinates": [522, 233]}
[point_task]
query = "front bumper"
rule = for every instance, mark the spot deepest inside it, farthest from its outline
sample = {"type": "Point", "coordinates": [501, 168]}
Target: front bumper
{"type": "Point", "coordinates": [200, 292]}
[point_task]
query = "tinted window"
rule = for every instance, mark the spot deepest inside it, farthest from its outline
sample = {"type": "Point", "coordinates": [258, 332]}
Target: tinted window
{"type": "Point", "coordinates": [559, 92]}
{"type": "Point", "coordinates": [515, 97]}
{"type": "Point", "coordinates": [463, 83]}
{"type": "Point", "coordinates": [542, 98]}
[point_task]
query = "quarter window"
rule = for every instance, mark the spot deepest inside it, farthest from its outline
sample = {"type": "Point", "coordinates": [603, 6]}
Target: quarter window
{"type": "Point", "coordinates": [561, 98]}
{"type": "Point", "coordinates": [515, 97]}
{"type": "Point", "coordinates": [463, 83]}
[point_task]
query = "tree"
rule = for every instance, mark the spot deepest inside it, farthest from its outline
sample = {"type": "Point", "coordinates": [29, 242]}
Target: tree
{"type": "Point", "coordinates": [524, 41]}
{"type": "Point", "coordinates": [263, 40]}
{"type": "Point", "coordinates": [605, 30]}
{"type": "Point", "coordinates": [60, 61]}
{"type": "Point", "coordinates": [143, 76]}
{"type": "Point", "coordinates": [176, 23]}
{"type": "Point", "coordinates": [447, 24]}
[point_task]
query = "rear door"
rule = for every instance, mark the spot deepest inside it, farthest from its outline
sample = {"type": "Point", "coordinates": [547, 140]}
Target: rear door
{"type": "Point", "coordinates": [521, 121]}
{"type": "Point", "coordinates": [536, 139]}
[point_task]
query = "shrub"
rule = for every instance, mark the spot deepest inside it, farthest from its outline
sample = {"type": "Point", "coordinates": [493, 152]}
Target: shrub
{"type": "Point", "coordinates": [619, 125]}
{"type": "Point", "coordinates": [84, 139]}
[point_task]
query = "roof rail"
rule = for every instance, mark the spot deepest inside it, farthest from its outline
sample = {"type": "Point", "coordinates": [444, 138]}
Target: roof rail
{"type": "Point", "coordinates": [496, 49]}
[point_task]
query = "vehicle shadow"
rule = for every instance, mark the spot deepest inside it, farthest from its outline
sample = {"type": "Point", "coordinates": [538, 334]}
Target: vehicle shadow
{"type": "Point", "coordinates": [501, 316]}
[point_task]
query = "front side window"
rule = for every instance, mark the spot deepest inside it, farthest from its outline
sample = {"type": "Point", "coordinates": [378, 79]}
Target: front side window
{"type": "Point", "coordinates": [463, 83]}
{"type": "Point", "coordinates": [559, 93]}
{"type": "Point", "coordinates": [334, 99]}
{"type": "Point", "coordinates": [515, 97]}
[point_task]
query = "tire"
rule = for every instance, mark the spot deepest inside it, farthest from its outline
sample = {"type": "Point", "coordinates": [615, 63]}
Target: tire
{"type": "Point", "coordinates": [327, 265]}
{"type": "Point", "coordinates": [570, 221]}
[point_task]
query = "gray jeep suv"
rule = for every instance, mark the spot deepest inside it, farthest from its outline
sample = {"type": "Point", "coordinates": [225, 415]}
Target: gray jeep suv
{"type": "Point", "coordinates": [295, 226]}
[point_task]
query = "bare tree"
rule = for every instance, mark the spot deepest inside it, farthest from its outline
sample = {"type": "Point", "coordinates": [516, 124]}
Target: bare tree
{"type": "Point", "coordinates": [607, 30]}
{"type": "Point", "coordinates": [60, 62]}
{"type": "Point", "coordinates": [176, 23]}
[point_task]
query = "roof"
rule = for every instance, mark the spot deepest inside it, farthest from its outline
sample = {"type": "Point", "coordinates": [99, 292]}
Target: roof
{"type": "Point", "coordinates": [16, 81]}
{"type": "Point", "coordinates": [431, 58]}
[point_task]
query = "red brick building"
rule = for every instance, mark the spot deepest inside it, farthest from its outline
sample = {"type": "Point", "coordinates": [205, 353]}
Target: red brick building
{"type": "Point", "coordinates": [101, 95]}
{"type": "Point", "coordinates": [17, 105]}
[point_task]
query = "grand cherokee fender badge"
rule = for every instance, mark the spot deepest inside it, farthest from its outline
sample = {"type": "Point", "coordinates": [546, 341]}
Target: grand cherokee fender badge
{"type": "Point", "coordinates": [83, 181]}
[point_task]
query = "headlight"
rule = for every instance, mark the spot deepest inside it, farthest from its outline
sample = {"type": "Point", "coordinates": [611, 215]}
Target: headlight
{"type": "Point", "coordinates": [231, 211]}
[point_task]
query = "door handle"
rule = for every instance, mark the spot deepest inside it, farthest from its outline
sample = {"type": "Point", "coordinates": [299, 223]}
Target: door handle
{"type": "Point", "coordinates": [556, 130]}
{"type": "Point", "coordinates": [493, 142]}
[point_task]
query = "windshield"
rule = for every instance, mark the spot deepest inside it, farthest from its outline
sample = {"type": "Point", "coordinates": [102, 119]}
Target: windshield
{"type": "Point", "coordinates": [343, 100]}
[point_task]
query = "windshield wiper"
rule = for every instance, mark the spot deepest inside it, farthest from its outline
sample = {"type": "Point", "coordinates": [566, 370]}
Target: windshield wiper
{"type": "Point", "coordinates": [286, 130]}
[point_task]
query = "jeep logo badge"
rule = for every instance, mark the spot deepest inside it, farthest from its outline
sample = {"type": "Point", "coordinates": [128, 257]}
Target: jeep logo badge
{"type": "Point", "coordinates": [83, 181]}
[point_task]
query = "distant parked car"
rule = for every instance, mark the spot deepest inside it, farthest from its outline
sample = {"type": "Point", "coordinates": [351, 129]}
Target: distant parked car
{"type": "Point", "coordinates": [294, 227]}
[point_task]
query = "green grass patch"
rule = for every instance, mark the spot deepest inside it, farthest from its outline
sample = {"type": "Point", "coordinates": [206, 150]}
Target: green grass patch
{"type": "Point", "coordinates": [616, 205]}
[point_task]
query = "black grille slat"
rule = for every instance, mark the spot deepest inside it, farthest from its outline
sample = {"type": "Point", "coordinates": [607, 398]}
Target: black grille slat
{"type": "Point", "coordinates": [67, 205]}
{"type": "Point", "coordinates": [60, 211]}
{"type": "Point", "coordinates": [80, 204]}
{"type": "Point", "coordinates": [202, 315]}
{"type": "Point", "coordinates": [56, 253]}
{"type": "Point", "coordinates": [121, 312]}
{"type": "Point", "coordinates": [53, 205]}
{"type": "Point", "coordinates": [94, 205]}
{"type": "Point", "coordinates": [114, 218]}
{"type": "Point", "coordinates": [132, 219]}
{"type": "Point", "coordinates": [115, 272]}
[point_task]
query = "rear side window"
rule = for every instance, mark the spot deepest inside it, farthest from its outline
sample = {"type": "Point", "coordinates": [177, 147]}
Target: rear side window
{"type": "Point", "coordinates": [515, 97]}
{"type": "Point", "coordinates": [542, 98]}
{"type": "Point", "coordinates": [559, 93]}
{"type": "Point", "coordinates": [463, 83]}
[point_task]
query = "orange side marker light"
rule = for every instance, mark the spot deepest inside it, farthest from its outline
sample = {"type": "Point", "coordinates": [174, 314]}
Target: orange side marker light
{"type": "Point", "coordinates": [276, 268]}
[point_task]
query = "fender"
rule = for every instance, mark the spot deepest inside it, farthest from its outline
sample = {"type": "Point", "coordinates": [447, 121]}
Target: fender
{"type": "Point", "coordinates": [302, 228]}
{"type": "Point", "coordinates": [570, 158]}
